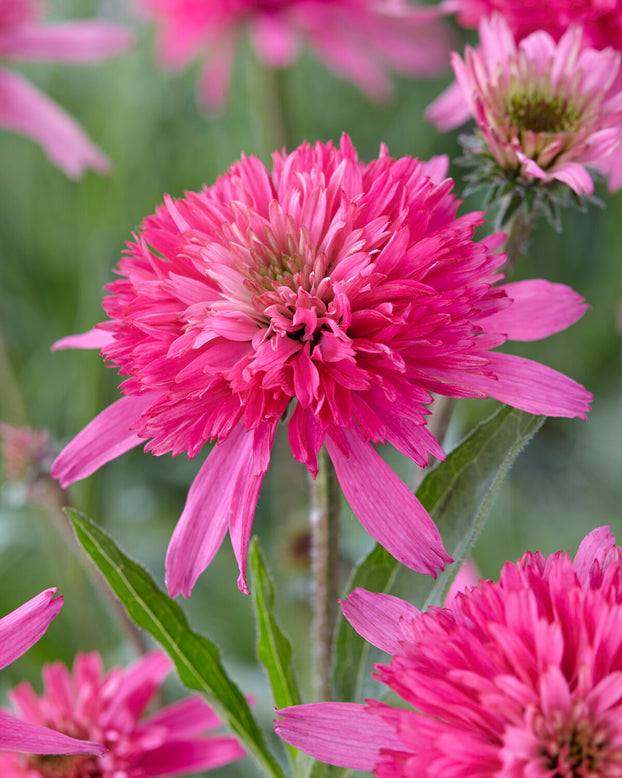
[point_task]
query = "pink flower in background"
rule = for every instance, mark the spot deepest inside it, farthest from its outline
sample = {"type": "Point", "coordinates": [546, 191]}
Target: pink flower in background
{"type": "Point", "coordinates": [601, 20]}
{"type": "Point", "coordinates": [359, 39]}
{"type": "Point", "coordinates": [109, 707]}
{"type": "Point", "coordinates": [330, 292]}
{"type": "Point", "coordinates": [544, 110]}
{"type": "Point", "coordinates": [517, 679]}
{"type": "Point", "coordinates": [19, 631]}
{"type": "Point", "coordinates": [23, 108]}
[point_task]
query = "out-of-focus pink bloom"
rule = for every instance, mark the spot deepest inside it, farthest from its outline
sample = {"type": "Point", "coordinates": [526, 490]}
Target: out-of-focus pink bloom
{"type": "Point", "coordinates": [517, 679]}
{"type": "Point", "coordinates": [601, 20]}
{"type": "Point", "coordinates": [338, 293]}
{"type": "Point", "coordinates": [544, 110]}
{"type": "Point", "coordinates": [23, 450]}
{"type": "Point", "coordinates": [23, 108]}
{"type": "Point", "coordinates": [109, 707]}
{"type": "Point", "coordinates": [359, 39]}
{"type": "Point", "coordinates": [19, 631]}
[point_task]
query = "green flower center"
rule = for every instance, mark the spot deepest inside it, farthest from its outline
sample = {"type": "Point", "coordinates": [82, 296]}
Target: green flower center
{"type": "Point", "coordinates": [541, 113]}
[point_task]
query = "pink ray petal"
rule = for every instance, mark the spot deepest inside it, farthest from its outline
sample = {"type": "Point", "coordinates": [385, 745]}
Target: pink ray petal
{"type": "Point", "coordinates": [21, 628]}
{"type": "Point", "coordinates": [223, 495]}
{"type": "Point", "coordinates": [191, 756]}
{"type": "Point", "coordinates": [531, 387]}
{"type": "Point", "coordinates": [16, 735]}
{"type": "Point", "coordinates": [376, 617]}
{"type": "Point", "coordinates": [67, 42]}
{"type": "Point", "coordinates": [186, 718]}
{"type": "Point", "coordinates": [96, 338]}
{"type": "Point", "coordinates": [340, 733]}
{"type": "Point", "coordinates": [109, 435]}
{"type": "Point", "coordinates": [386, 507]}
{"type": "Point", "coordinates": [449, 110]}
{"type": "Point", "coordinates": [539, 309]}
{"type": "Point", "coordinates": [26, 110]}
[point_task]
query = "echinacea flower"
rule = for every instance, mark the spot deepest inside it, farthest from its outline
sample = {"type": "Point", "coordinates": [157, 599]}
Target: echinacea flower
{"type": "Point", "coordinates": [601, 20]}
{"type": "Point", "coordinates": [359, 39]}
{"type": "Point", "coordinates": [19, 631]}
{"type": "Point", "coordinates": [109, 707]}
{"type": "Point", "coordinates": [516, 679]}
{"type": "Point", "coordinates": [332, 293]}
{"type": "Point", "coordinates": [26, 110]}
{"type": "Point", "coordinates": [544, 111]}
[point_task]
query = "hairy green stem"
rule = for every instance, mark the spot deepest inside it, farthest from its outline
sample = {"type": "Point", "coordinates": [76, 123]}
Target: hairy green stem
{"type": "Point", "coordinates": [324, 519]}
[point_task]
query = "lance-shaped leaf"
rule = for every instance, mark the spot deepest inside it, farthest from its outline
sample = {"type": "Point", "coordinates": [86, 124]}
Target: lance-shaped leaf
{"type": "Point", "coordinates": [196, 658]}
{"type": "Point", "coordinates": [273, 647]}
{"type": "Point", "coordinates": [457, 494]}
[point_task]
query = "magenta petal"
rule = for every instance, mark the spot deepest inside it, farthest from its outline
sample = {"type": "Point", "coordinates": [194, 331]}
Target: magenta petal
{"type": "Point", "coordinates": [21, 628]}
{"type": "Point", "coordinates": [67, 42]}
{"type": "Point", "coordinates": [108, 436]}
{"type": "Point", "coordinates": [26, 110]}
{"type": "Point", "coordinates": [340, 733]}
{"type": "Point", "coordinates": [16, 735]}
{"type": "Point", "coordinates": [539, 309]}
{"type": "Point", "coordinates": [224, 494]}
{"type": "Point", "coordinates": [376, 617]}
{"type": "Point", "coordinates": [185, 718]}
{"type": "Point", "coordinates": [95, 338]}
{"type": "Point", "coordinates": [190, 756]}
{"type": "Point", "coordinates": [532, 387]}
{"type": "Point", "coordinates": [386, 507]}
{"type": "Point", "coordinates": [593, 553]}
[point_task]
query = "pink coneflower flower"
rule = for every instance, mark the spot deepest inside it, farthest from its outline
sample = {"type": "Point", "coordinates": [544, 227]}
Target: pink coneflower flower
{"type": "Point", "coordinates": [544, 111]}
{"type": "Point", "coordinates": [359, 39]}
{"type": "Point", "coordinates": [19, 631]}
{"type": "Point", "coordinates": [23, 108]}
{"type": "Point", "coordinates": [516, 679]}
{"type": "Point", "coordinates": [332, 293]}
{"type": "Point", "coordinates": [109, 707]}
{"type": "Point", "coordinates": [601, 20]}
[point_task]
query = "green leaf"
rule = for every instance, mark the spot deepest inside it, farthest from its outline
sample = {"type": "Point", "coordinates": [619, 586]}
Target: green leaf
{"type": "Point", "coordinates": [458, 494]}
{"type": "Point", "coordinates": [273, 648]}
{"type": "Point", "coordinates": [196, 658]}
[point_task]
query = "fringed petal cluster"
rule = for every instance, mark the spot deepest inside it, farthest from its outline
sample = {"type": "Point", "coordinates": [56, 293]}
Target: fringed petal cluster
{"type": "Point", "coordinates": [110, 708]}
{"type": "Point", "coordinates": [516, 679]}
{"type": "Point", "coordinates": [358, 39]}
{"type": "Point", "coordinates": [331, 293]}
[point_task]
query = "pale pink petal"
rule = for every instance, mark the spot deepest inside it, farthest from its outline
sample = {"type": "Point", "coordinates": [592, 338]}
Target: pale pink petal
{"type": "Point", "coordinates": [224, 494]}
{"type": "Point", "coordinates": [275, 43]}
{"type": "Point", "coordinates": [376, 617]}
{"type": "Point", "coordinates": [593, 551]}
{"type": "Point", "coordinates": [539, 308]}
{"type": "Point", "coordinates": [109, 435]}
{"type": "Point", "coordinates": [437, 168]}
{"type": "Point", "coordinates": [179, 757]}
{"type": "Point", "coordinates": [95, 338]}
{"type": "Point", "coordinates": [21, 628]}
{"type": "Point", "coordinates": [140, 682]}
{"type": "Point", "coordinates": [26, 110]}
{"type": "Point", "coordinates": [386, 507]}
{"type": "Point", "coordinates": [449, 110]}
{"type": "Point", "coordinates": [531, 387]}
{"type": "Point", "coordinates": [468, 577]}
{"type": "Point", "coordinates": [16, 735]}
{"type": "Point", "coordinates": [340, 733]}
{"type": "Point", "coordinates": [67, 42]}
{"type": "Point", "coordinates": [576, 176]}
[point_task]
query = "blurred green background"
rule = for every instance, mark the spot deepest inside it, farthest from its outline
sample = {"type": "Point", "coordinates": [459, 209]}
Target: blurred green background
{"type": "Point", "coordinates": [59, 241]}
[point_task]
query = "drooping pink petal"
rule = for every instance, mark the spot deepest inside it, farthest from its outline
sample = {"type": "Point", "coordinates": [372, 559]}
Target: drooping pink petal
{"type": "Point", "coordinates": [109, 435]}
{"type": "Point", "coordinates": [376, 617]}
{"type": "Point", "coordinates": [22, 736]}
{"type": "Point", "coordinates": [83, 41]}
{"type": "Point", "coordinates": [21, 628]}
{"type": "Point", "coordinates": [96, 338]}
{"type": "Point", "coordinates": [340, 733]}
{"type": "Point", "coordinates": [449, 110]}
{"type": "Point", "coordinates": [386, 507]}
{"type": "Point", "coordinates": [224, 495]}
{"type": "Point", "coordinates": [26, 110]}
{"type": "Point", "coordinates": [539, 309]}
{"type": "Point", "coordinates": [183, 757]}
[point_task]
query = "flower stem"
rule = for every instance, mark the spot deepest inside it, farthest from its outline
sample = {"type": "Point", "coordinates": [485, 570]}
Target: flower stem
{"type": "Point", "coordinates": [518, 230]}
{"type": "Point", "coordinates": [438, 422]}
{"type": "Point", "coordinates": [267, 103]}
{"type": "Point", "coordinates": [324, 519]}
